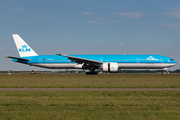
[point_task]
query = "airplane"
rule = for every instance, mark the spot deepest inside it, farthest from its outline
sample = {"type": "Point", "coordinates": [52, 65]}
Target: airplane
{"type": "Point", "coordinates": [108, 63]}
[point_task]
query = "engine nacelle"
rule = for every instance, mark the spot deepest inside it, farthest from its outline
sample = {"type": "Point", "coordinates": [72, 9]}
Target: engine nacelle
{"type": "Point", "coordinates": [110, 67]}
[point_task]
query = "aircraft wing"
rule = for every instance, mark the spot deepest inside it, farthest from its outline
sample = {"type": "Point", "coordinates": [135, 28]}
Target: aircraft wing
{"type": "Point", "coordinates": [81, 60]}
{"type": "Point", "coordinates": [17, 58]}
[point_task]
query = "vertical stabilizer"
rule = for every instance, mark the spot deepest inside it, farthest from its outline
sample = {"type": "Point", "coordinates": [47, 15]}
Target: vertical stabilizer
{"type": "Point", "coordinates": [23, 48]}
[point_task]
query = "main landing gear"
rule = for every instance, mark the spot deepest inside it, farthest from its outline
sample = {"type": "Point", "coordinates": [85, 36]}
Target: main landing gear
{"type": "Point", "coordinates": [92, 71]}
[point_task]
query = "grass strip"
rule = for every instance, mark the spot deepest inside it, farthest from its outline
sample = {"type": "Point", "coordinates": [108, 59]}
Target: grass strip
{"type": "Point", "coordinates": [129, 105]}
{"type": "Point", "coordinates": [84, 81]}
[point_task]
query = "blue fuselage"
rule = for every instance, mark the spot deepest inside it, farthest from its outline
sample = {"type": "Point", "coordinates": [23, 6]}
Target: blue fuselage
{"type": "Point", "coordinates": [124, 61]}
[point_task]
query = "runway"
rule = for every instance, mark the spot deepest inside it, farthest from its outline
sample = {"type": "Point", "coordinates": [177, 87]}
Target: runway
{"type": "Point", "coordinates": [89, 89]}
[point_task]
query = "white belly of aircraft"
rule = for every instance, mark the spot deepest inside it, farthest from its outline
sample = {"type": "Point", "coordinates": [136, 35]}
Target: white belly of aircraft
{"type": "Point", "coordinates": [144, 65]}
{"type": "Point", "coordinates": [57, 66]}
{"type": "Point", "coordinates": [120, 65]}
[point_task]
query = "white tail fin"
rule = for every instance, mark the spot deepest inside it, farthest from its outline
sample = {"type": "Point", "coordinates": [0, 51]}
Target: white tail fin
{"type": "Point", "coordinates": [23, 48]}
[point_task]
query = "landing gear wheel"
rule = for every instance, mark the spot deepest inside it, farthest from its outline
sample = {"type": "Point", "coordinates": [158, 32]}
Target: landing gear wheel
{"type": "Point", "coordinates": [91, 73]}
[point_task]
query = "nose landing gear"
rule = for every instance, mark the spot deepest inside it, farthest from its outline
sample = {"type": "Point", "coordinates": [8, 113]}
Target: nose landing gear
{"type": "Point", "coordinates": [164, 71]}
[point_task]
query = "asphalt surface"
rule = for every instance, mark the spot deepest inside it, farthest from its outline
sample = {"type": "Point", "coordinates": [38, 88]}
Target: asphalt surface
{"type": "Point", "coordinates": [89, 89]}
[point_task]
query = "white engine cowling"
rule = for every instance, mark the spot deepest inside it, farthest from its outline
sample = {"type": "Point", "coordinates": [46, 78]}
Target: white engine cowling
{"type": "Point", "coordinates": [110, 67]}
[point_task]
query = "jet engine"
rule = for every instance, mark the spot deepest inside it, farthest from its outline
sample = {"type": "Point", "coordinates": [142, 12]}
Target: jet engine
{"type": "Point", "coordinates": [110, 67]}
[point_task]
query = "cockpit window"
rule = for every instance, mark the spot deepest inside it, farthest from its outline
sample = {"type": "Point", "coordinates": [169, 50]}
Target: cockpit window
{"type": "Point", "coordinates": [171, 59]}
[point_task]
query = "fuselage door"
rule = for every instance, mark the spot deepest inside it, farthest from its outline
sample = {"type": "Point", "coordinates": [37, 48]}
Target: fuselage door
{"type": "Point", "coordinates": [137, 60]}
{"type": "Point", "coordinates": [162, 60]}
{"type": "Point", "coordinates": [40, 60]}
{"type": "Point", "coordinates": [101, 59]}
{"type": "Point", "coordinates": [69, 61]}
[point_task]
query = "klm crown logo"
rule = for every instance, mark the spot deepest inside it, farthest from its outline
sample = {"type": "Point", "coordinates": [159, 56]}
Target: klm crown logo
{"type": "Point", "coordinates": [151, 58]}
{"type": "Point", "coordinates": [24, 49]}
{"type": "Point", "coordinates": [24, 46]}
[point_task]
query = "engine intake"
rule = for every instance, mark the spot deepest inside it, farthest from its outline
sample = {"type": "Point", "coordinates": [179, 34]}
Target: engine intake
{"type": "Point", "coordinates": [110, 67]}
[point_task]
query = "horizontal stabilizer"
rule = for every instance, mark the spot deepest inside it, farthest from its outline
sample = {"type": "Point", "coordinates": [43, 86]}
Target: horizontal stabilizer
{"type": "Point", "coordinates": [17, 58]}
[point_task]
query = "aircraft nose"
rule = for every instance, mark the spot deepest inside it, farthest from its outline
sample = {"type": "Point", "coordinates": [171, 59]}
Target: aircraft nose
{"type": "Point", "coordinates": [174, 62]}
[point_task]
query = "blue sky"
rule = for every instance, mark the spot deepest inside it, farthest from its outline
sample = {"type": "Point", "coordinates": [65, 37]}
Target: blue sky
{"type": "Point", "coordinates": [90, 27]}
